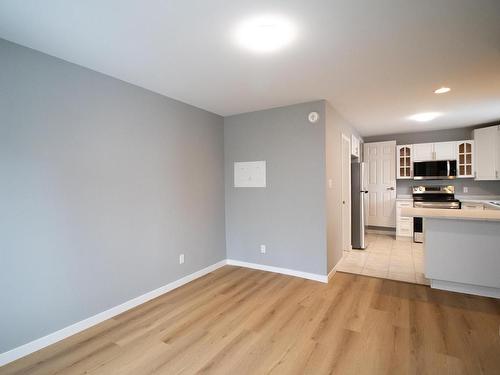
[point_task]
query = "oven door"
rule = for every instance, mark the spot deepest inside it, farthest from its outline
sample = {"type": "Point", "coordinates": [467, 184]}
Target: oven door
{"type": "Point", "coordinates": [435, 170]}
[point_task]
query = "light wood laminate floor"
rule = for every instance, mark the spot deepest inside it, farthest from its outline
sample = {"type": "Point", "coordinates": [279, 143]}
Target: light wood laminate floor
{"type": "Point", "coordinates": [241, 321]}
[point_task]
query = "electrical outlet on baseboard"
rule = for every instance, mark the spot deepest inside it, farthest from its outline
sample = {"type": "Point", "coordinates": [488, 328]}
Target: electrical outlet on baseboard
{"type": "Point", "coordinates": [181, 259]}
{"type": "Point", "coordinates": [262, 249]}
{"type": "Point", "coordinates": [465, 189]}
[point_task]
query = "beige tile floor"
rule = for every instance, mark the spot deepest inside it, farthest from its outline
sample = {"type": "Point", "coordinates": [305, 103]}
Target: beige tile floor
{"type": "Point", "coordinates": [387, 257]}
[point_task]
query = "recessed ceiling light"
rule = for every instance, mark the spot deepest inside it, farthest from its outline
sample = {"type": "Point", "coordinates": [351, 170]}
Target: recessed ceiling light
{"type": "Point", "coordinates": [265, 33]}
{"type": "Point", "coordinates": [442, 90]}
{"type": "Point", "coordinates": [424, 116]}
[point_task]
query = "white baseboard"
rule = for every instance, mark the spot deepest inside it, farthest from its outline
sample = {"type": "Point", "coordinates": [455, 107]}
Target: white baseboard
{"type": "Point", "coordinates": [52, 338]}
{"type": "Point", "coordinates": [73, 329]}
{"type": "Point", "coordinates": [284, 271]}
{"type": "Point", "coordinates": [334, 269]}
{"type": "Point", "coordinates": [389, 231]}
{"type": "Point", "coordinates": [477, 290]}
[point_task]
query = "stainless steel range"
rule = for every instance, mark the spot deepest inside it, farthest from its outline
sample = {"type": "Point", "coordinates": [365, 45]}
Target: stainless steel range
{"type": "Point", "coordinates": [431, 197]}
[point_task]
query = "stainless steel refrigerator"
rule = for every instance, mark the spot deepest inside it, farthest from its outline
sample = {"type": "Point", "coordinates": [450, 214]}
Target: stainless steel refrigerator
{"type": "Point", "coordinates": [358, 205]}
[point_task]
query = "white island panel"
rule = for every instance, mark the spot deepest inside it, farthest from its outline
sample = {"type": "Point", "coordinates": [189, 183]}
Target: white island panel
{"type": "Point", "coordinates": [463, 255]}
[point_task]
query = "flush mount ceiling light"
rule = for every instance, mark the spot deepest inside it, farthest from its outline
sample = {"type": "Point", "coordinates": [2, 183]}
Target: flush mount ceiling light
{"type": "Point", "coordinates": [265, 33]}
{"type": "Point", "coordinates": [442, 90]}
{"type": "Point", "coordinates": [424, 116]}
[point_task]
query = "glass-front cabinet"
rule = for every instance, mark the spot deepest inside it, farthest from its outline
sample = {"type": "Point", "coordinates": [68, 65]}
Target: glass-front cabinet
{"type": "Point", "coordinates": [465, 159]}
{"type": "Point", "coordinates": [404, 161]}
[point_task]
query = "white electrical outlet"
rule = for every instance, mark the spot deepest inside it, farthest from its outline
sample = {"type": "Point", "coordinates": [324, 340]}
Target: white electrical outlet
{"type": "Point", "coordinates": [466, 189]}
{"type": "Point", "coordinates": [263, 249]}
{"type": "Point", "coordinates": [181, 258]}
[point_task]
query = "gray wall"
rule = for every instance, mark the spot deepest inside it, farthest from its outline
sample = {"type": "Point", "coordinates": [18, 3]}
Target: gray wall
{"type": "Point", "coordinates": [103, 184]}
{"type": "Point", "coordinates": [474, 187]}
{"type": "Point", "coordinates": [336, 125]}
{"type": "Point", "coordinates": [289, 215]}
{"type": "Point", "coordinates": [491, 188]}
{"type": "Point", "coordinates": [425, 137]}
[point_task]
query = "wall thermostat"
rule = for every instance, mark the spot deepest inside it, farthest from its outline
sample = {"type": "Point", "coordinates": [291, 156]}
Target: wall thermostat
{"type": "Point", "coordinates": [313, 117]}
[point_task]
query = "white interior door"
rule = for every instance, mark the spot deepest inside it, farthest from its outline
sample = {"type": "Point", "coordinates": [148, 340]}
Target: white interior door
{"type": "Point", "coordinates": [380, 169]}
{"type": "Point", "coordinates": [346, 193]}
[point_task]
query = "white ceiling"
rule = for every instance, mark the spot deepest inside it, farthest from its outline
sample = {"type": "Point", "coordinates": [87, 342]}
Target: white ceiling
{"type": "Point", "coordinates": [376, 62]}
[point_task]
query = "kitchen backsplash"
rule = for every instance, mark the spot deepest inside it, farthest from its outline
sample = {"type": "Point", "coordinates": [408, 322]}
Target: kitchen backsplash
{"type": "Point", "coordinates": [474, 187]}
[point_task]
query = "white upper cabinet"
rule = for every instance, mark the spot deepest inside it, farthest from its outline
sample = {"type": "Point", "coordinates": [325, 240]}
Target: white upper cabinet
{"type": "Point", "coordinates": [434, 151]}
{"type": "Point", "coordinates": [355, 146]}
{"type": "Point", "coordinates": [487, 142]}
{"type": "Point", "coordinates": [423, 151]}
{"type": "Point", "coordinates": [465, 159]}
{"type": "Point", "coordinates": [445, 151]}
{"type": "Point", "coordinates": [404, 169]}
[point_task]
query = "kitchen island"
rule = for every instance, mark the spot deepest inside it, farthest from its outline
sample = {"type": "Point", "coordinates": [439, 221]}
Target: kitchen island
{"type": "Point", "coordinates": [461, 249]}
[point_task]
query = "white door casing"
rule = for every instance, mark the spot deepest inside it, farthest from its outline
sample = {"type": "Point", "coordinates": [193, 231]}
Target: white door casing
{"type": "Point", "coordinates": [380, 169]}
{"type": "Point", "coordinates": [346, 193]}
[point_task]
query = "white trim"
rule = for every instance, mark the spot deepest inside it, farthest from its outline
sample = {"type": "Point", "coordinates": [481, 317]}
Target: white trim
{"type": "Point", "coordinates": [477, 290]}
{"type": "Point", "coordinates": [284, 271]}
{"type": "Point", "coordinates": [63, 333]}
{"type": "Point", "coordinates": [348, 198]}
{"type": "Point", "coordinates": [334, 269]}
{"type": "Point", "coordinates": [390, 232]}
{"type": "Point", "coordinates": [332, 272]}
{"type": "Point", "coordinates": [73, 329]}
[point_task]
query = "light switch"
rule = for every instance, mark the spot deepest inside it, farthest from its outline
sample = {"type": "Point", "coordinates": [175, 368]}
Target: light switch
{"type": "Point", "coordinates": [250, 174]}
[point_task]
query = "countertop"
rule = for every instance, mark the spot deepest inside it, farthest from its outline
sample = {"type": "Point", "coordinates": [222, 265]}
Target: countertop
{"type": "Point", "coordinates": [483, 199]}
{"type": "Point", "coordinates": [439, 213]}
{"type": "Point", "coordinates": [477, 198]}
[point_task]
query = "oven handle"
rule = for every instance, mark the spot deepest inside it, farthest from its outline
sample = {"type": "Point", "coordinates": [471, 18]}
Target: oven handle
{"type": "Point", "coordinates": [435, 205]}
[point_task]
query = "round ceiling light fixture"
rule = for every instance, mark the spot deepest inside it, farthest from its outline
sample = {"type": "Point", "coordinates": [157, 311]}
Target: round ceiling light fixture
{"type": "Point", "coordinates": [442, 90]}
{"type": "Point", "coordinates": [424, 116]}
{"type": "Point", "coordinates": [266, 33]}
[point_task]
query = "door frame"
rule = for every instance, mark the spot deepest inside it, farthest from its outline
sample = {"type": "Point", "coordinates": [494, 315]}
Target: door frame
{"type": "Point", "coordinates": [346, 173]}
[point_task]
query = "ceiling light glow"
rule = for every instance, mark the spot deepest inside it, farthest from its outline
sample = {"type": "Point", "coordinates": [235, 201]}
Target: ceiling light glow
{"type": "Point", "coordinates": [442, 90]}
{"type": "Point", "coordinates": [424, 116]}
{"type": "Point", "coordinates": [265, 33]}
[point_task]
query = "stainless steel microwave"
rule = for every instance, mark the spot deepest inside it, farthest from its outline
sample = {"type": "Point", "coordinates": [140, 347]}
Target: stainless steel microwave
{"type": "Point", "coordinates": [435, 170]}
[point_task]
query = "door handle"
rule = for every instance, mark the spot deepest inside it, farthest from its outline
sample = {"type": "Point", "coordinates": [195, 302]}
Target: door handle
{"type": "Point", "coordinates": [390, 188]}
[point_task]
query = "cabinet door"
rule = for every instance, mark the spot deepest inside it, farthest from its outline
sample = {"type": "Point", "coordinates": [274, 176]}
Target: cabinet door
{"type": "Point", "coordinates": [445, 151]}
{"type": "Point", "coordinates": [486, 140]}
{"type": "Point", "coordinates": [404, 225]}
{"type": "Point", "coordinates": [423, 151]}
{"type": "Point", "coordinates": [404, 162]}
{"type": "Point", "coordinates": [465, 159]}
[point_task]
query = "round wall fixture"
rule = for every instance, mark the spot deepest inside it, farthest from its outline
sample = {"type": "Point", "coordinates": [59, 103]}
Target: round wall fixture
{"type": "Point", "coordinates": [313, 117]}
